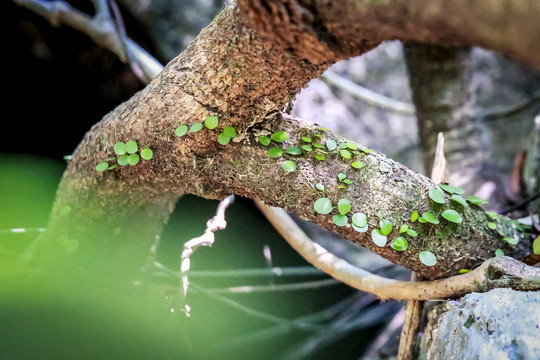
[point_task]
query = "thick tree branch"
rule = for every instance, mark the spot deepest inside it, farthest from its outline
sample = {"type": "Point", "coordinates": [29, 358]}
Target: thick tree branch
{"type": "Point", "coordinates": [244, 78]}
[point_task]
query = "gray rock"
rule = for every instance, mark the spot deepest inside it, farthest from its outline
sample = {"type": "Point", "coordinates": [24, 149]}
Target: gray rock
{"type": "Point", "coordinates": [498, 325]}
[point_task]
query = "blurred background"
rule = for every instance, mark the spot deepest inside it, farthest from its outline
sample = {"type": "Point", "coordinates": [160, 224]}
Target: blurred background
{"type": "Point", "coordinates": [58, 83]}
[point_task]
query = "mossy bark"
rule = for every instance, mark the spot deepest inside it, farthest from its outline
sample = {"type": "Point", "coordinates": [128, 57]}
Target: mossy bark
{"type": "Point", "coordinates": [239, 70]}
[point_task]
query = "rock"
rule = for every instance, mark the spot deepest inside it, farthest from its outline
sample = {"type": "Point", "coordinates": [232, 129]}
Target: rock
{"type": "Point", "coordinates": [500, 324]}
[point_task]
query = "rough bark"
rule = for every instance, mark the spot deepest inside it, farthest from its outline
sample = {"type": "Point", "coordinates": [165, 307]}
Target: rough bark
{"type": "Point", "coordinates": [245, 76]}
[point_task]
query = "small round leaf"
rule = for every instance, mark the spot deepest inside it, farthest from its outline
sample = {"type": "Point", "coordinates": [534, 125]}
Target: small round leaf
{"type": "Point", "coordinates": [427, 258]}
{"type": "Point", "coordinates": [452, 216]}
{"type": "Point", "coordinates": [345, 154]}
{"type": "Point", "coordinates": [230, 131]}
{"type": "Point", "coordinates": [265, 140]}
{"type": "Point", "coordinates": [196, 127]}
{"type": "Point", "coordinates": [102, 166]}
{"type": "Point", "coordinates": [288, 166]}
{"type": "Point", "coordinates": [386, 227]}
{"type": "Point", "coordinates": [340, 220]}
{"type": "Point", "coordinates": [459, 199]}
{"type": "Point", "coordinates": [331, 145]}
{"type": "Point", "coordinates": [344, 206]}
{"type": "Point", "coordinates": [319, 157]}
{"type": "Point", "coordinates": [133, 159]}
{"type": "Point", "coordinates": [223, 139]}
{"type": "Point", "coordinates": [275, 152]}
{"type": "Point", "coordinates": [499, 252]}
{"type": "Point", "coordinates": [307, 148]}
{"type": "Point", "coordinates": [357, 165]}
{"type": "Point", "coordinates": [131, 147]}
{"type": "Point", "coordinates": [181, 130]}
{"type": "Point", "coordinates": [360, 229]}
{"type": "Point", "coordinates": [430, 218]}
{"type": "Point", "coordinates": [306, 139]}
{"type": "Point", "coordinates": [436, 195]}
{"type": "Point", "coordinates": [378, 238]}
{"type": "Point", "coordinates": [452, 189]}
{"type": "Point", "coordinates": [293, 151]}
{"type": "Point", "coordinates": [119, 148]}
{"type": "Point", "coordinates": [403, 228]}
{"type": "Point", "coordinates": [319, 187]}
{"type": "Point", "coordinates": [414, 216]}
{"type": "Point", "coordinates": [341, 176]}
{"type": "Point", "coordinates": [492, 225]}
{"type": "Point", "coordinates": [147, 153]}
{"type": "Point", "coordinates": [122, 160]}
{"type": "Point", "coordinates": [323, 206]}
{"type": "Point", "coordinates": [412, 233]}
{"type": "Point", "coordinates": [399, 244]}
{"type": "Point", "coordinates": [536, 246]}
{"type": "Point", "coordinates": [352, 146]}
{"type": "Point", "coordinates": [280, 136]}
{"type": "Point", "coordinates": [359, 219]}
{"type": "Point", "coordinates": [211, 122]}
{"type": "Point", "coordinates": [476, 200]}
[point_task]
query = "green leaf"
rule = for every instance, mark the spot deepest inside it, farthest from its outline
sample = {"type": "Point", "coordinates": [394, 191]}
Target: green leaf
{"type": "Point", "coordinates": [147, 153]}
{"type": "Point", "coordinates": [319, 157]}
{"type": "Point", "coordinates": [536, 246]}
{"type": "Point", "coordinates": [306, 139]}
{"type": "Point", "coordinates": [322, 128]}
{"type": "Point", "coordinates": [436, 195]}
{"type": "Point", "coordinates": [340, 220]}
{"type": "Point", "coordinates": [223, 139]}
{"type": "Point", "coordinates": [341, 176]}
{"type": "Point", "coordinates": [318, 135]}
{"type": "Point", "coordinates": [319, 186]}
{"type": "Point", "coordinates": [352, 146]}
{"type": "Point", "coordinates": [403, 228]}
{"type": "Point", "coordinates": [511, 241]}
{"type": "Point", "coordinates": [422, 220]}
{"type": "Point", "coordinates": [323, 206]}
{"type": "Point", "coordinates": [386, 227]}
{"type": "Point", "coordinates": [318, 146]}
{"type": "Point", "coordinates": [378, 238]}
{"type": "Point", "coordinates": [492, 225]}
{"type": "Point", "coordinates": [122, 160]}
{"type": "Point", "coordinates": [275, 152]}
{"type": "Point", "coordinates": [345, 154]}
{"type": "Point", "coordinates": [452, 216]}
{"type": "Point", "coordinates": [280, 136]}
{"type": "Point", "coordinates": [464, 271]}
{"type": "Point", "coordinates": [307, 148]}
{"type": "Point", "coordinates": [412, 233]}
{"type": "Point", "coordinates": [366, 151]}
{"type": "Point", "coordinates": [430, 218]}
{"type": "Point", "coordinates": [360, 229]}
{"type": "Point", "coordinates": [347, 181]}
{"type": "Point", "coordinates": [230, 131]}
{"type": "Point", "coordinates": [343, 145]}
{"type": "Point", "coordinates": [427, 258]}
{"type": "Point", "coordinates": [131, 147]}
{"type": "Point", "coordinates": [293, 151]}
{"type": "Point", "coordinates": [288, 166]}
{"type": "Point", "coordinates": [331, 145]}
{"type": "Point", "coordinates": [459, 199]}
{"type": "Point", "coordinates": [265, 140]}
{"type": "Point", "coordinates": [181, 130]}
{"type": "Point", "coordinates": [102, 166]}
{"type": "Point", "coordinates": [119, 148]}
{"type": "Point", "coordinates": [133, 159]}
{"type": "Point", "coordinates": [211, 122]}
{"type": "Point", "coordinates": [344, 206]}
{"type": "Point", "coordinates": [399, 244]}
{"type": "Point", "coordinates": [196, 127]}
{"type": "Point", "coordinates": [414, 216]}
{"type": "Point", "coordinates": [476, 200]}
{"type": "Point", "coordinates": [341, 186]}
{"type": "Point", "coordinates": [452, 189]}
{"type": "Point", "coordinates": [359, 219]}
{"type": "Point", "coordinates": [357, 165]}
{"type": "Point", "coordinates": [112, 167]}
{"type": "Point", "coordinates": [499, 252]}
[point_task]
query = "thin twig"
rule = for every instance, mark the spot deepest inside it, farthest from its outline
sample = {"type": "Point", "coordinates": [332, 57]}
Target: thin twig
{"type": "Point", "coordinates": [249, 289]}
{"type": "Point", "coordinates": [495, 272]}
{"type": "Point", "coordinates": [367, 95]}
{"type": "Point", "coordinates": [505, 112]}
{"type": "Point", "coordinates": [100, 28]}
{"type": "Point", "coordinates": [216, 223]}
